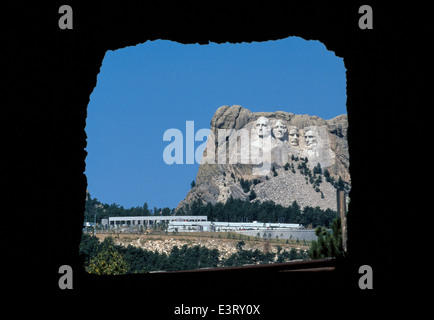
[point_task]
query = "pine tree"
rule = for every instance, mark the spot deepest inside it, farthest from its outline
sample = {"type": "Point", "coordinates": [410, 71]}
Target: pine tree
{"type": "Point", "coordinates": [274, 171]}
{"type": "Point", "coordinates": [317, 169]}
{"type": "Point", "coordinates": [327, 244]}
{"type": "Point", "coordinates": [252, 195]}
{"type": "Point", "coordinates": [108, 261]}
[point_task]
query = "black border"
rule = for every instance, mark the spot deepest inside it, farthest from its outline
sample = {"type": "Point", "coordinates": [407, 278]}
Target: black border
{"type": "Point", "coordinates": [52, 73]}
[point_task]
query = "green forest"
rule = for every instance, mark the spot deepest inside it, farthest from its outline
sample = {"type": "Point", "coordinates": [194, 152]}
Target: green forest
{"type": "Point", "coordinates": [243, 210]}
{"type": "Point", "coordinates": [234, 210]}
{"type": "Point", "coordinates": [108, 258]}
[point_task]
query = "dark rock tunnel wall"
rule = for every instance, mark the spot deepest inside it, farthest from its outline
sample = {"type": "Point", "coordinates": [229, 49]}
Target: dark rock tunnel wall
{"type": "Point", "coordinates": [53, 73]}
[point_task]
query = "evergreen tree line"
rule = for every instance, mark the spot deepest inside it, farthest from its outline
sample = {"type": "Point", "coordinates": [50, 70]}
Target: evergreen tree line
{"type": "Point", "coordinates": [103, 211]}
{"type": "Point", "coordinates": [102, 257]}
{"type": "Point", "coordinates": [243, 210]}
{"type": "Point", "coordinates": [108, 258]}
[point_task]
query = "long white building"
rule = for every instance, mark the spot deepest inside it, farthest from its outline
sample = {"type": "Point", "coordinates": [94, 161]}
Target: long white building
{"type": "Point", "coordinates": [146, 221]}
{"type": "Point", "coordinates": [188, 226]}
{"type": "Point", "coordinates": [194, 223]}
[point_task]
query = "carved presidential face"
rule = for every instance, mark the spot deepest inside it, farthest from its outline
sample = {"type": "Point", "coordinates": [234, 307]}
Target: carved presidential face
{"type": "Point", "coordinates": [262, 127]}
{"type": "Point", "coordinates": [279, 130]}
{"type": "Point", "coordinates": [310, 138]}
{"type": "Point", "coordinates": [293, 136]}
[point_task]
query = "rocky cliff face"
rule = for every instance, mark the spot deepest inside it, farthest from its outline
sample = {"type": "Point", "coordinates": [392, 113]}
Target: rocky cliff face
{"type": "Point", "coordinates": [277, 153]}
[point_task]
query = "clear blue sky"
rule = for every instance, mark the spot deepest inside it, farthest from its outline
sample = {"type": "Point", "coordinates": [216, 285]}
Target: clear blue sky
{"type": "Point", "coordinates": [144, 90]}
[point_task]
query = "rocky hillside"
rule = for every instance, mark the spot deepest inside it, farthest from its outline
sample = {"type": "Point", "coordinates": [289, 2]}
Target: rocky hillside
{"type": "Point", "coordinates": [278, 156]}
{"type": "Point", "coordinates": [225, 246]}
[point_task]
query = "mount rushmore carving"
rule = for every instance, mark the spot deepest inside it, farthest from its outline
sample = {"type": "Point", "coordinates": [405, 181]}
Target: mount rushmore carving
{"type": "Point", "coordinates": [247, 145]}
